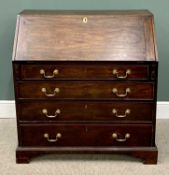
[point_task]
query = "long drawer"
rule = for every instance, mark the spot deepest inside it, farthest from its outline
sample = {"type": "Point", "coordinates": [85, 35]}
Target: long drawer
{"type": "Point", "coordinates": [85, 111]}
{"type": "Point", "coordinates": [86, 90]}
{"type": "Point", "coordinates": [85, 135]}
{"type": "Point", "coordinates": [92, 70]}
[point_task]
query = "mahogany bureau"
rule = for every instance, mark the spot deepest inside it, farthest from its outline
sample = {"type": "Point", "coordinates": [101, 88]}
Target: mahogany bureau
{"type": "Point", "coordinates": [85, 82]}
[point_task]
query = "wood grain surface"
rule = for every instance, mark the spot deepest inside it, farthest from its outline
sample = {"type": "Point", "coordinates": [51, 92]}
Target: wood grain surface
{"type": "Point", "coordinates": [85, 135]}
{"type": "Point", "coordinates": [88, 90]}
{"type": "Point", "coordinates": [84, 70]}
{"type": "Point", "coordinates": [89, 111]}
{"type": "Point", "coordinates": [99, 70]}
{"type": "Point", "coordinates": [66, 37]}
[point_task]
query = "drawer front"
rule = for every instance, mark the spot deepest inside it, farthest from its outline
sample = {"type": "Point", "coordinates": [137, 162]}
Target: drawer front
{"type": "Point", "coordinates": [85, 90]}
{"type": "Point", "coordinates": [69, 111]}
{"type": "Point", "coordinates": [84, 71]}
{"type": "Point", "coordinates": [86, 135]}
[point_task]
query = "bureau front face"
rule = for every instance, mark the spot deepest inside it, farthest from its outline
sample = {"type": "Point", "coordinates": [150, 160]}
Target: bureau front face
{"type": "Point", "coordinates": [85, 82]}
{"type": "Point", "coordinates": [88, 105]}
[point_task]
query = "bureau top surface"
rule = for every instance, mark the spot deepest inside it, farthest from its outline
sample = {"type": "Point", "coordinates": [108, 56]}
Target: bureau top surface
{"type": "Point", "coordinates": [85, 35]}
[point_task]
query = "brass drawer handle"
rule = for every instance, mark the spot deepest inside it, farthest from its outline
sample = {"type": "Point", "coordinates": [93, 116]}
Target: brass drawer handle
{"type": "Point", "coordinates": [126, 137]}
{"type": "Point", "coordinates": [115, 72]}
{"type": "Point", "coordinates": [84, 19]}
{"type": "Point", "coordinates": [45, 111]}
{"type": "Point", "coordinates": [127, 111]}
{"type": "Point", "coordinates": [56, 90]}
{"type": "Point", "coordinates": [115, 91]}
{"type": "Point", "coordinates": [55, 72]}
{"type": "Point", "coordinates": [58, 136]}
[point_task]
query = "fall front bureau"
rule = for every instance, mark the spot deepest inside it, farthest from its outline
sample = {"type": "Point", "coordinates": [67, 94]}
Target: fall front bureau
{"type": "Point", "coordinates": [85, 82]}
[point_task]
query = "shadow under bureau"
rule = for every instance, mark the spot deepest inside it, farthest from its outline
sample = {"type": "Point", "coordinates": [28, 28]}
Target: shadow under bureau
{"type": "Point", "coordinates": [85, 82]}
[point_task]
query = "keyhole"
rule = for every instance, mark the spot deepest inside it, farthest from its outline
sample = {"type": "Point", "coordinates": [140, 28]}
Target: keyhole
{"type": "Point", "coordinates": [84, 20]}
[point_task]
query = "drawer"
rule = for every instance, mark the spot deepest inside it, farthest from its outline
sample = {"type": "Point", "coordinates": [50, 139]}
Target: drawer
{"type": "Point", "coordinates": [85, 135]}
{"type": "Point", "coordinates": [86, 90]}
{"type": "Point", "coordinates": [85, 111]}
{"type": "Point", "coordinates": [91, 70]}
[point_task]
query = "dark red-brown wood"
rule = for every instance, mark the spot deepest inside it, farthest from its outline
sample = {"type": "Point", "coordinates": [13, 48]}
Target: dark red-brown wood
{"type": "Point", "coordinates": [85, 48]}
{"type": "Point", "coordinates": [148, 155]}
{"type": "Point", "coordinates": [86, 90]}
{"type": "Point", "coordinates": [68, 37]}
{"type": "Point", "coordinates": [85, 135]}
{"type": "Point", "coordinates": [85, 111]}
{"type": "Point", "coordinates": [84, 71]}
